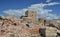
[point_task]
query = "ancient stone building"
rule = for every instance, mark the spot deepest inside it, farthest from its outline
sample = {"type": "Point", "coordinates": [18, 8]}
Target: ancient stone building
{"type": "Point", "coordinates": [30, 15]}
{"type": "Point", "coordinates": [26, 26]}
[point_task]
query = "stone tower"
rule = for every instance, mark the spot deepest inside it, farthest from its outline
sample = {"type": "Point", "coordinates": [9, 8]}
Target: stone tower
{"type": "Point", "coordinates": [31, 14]}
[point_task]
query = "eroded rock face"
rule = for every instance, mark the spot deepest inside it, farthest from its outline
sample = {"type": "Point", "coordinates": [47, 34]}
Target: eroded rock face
{"type": "Point", "coordinates": [15, 27]}
{"type": "Point", "coordinates": [26, 26]}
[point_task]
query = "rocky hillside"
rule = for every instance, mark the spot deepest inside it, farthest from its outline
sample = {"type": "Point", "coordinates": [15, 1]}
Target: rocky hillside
{"type": "Point", "coordinates": [11, 27]}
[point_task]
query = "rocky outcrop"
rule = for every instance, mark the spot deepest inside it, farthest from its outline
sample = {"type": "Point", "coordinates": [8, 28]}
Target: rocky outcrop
{"type": "Point", "coordinates": [14, 26]}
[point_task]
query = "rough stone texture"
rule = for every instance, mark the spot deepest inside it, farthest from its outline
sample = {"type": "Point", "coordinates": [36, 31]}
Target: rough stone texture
{"type": "Point", "coordinates": [24, 27]}
{"type": "Point", "coordinates": [16, 27]}
{"type": "Point", "coordinates": [51, 32]}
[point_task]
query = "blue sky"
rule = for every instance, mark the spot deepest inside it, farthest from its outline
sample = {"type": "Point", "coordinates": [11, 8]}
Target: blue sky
{"type": "Point", "coordinates": [16, 4]}
{"type": "Point", "coordinates": [18, 7]}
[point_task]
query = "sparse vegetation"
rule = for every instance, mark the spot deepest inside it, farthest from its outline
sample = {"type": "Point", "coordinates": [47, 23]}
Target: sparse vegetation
{"type": "Point", "coordinates": [12, 35]}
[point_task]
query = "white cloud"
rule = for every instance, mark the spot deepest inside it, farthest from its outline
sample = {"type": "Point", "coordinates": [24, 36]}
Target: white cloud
{"type": "Point", "coordinates": [51, 4]}
{"type": "Point", "coordinates": [41, 5]}
{"type": "Point", "coordinates": [48, 0]}
{"type": "Point", "coordinates": [16, 13]}
{"type": "Point", "coordinates": [44, 13]}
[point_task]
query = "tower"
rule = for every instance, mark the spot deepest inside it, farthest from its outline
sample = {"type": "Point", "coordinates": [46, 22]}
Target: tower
{"type": "Point", "coordinates": [31, 14]}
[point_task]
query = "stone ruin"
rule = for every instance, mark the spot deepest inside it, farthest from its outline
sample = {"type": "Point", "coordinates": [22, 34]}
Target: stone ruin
{"type": "Point", "coordinates": [26, 26]}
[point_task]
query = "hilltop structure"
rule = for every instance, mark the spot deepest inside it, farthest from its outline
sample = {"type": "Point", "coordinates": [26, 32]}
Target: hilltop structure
{"type": "Point", "coordinates": [27, 26]}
